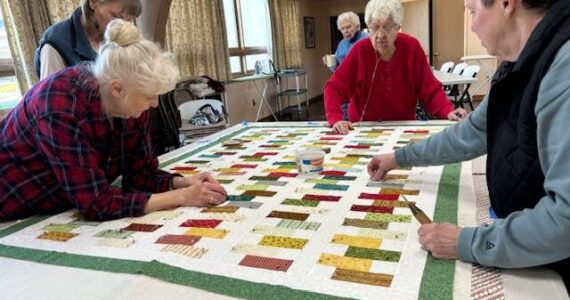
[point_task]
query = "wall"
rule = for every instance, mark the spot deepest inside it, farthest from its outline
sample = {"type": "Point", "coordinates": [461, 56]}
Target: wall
{"type": "Point", "coordinates": [448, 20]}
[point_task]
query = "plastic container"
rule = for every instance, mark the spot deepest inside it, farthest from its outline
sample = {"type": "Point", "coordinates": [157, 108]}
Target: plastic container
{"type": "Point", "coordinates": [310, 161]}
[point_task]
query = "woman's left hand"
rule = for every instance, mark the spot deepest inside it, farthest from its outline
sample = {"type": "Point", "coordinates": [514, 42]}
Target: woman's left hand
{"type": "Point", "coordinates": [457, 115]}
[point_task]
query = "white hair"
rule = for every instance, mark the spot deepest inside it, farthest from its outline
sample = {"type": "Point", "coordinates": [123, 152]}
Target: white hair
{"type": "Point", "coordinates": [382, 10]}
{"type": "Point", "coordinates": [137, 62]}
{"type": "Point", "coordinates": [348, 16]}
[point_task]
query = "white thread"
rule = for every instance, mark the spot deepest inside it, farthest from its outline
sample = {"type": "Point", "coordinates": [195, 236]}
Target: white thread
{"type": "Point", "coordinates": [370, 89]}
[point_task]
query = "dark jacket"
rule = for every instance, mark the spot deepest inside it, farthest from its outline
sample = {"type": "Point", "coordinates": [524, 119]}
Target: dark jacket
{"type": "Point", "coordinates": [69, 39]}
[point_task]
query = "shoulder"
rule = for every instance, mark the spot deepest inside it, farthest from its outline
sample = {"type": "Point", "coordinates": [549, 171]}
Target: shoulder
{"type": "Point", "coordinates": [407, 40]}
{"type": "Point", "coordinates": [551, 87]}
{"type": "Point", "coordinates": [57, 29]}
{"type": "Point", "coordinates": [363, 45]}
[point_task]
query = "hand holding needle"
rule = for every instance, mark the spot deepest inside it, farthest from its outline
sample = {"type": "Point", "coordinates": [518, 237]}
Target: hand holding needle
{"type": "Point", "coordinates": [418, 213]}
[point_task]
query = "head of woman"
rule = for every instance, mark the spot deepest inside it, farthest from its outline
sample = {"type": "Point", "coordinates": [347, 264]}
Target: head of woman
{"type": "Point", "coordinates": [497, 23]}
{"type": "Point", "coordinates": [98, 13]}
{"type": "Point", "coordinates": [348, 24]}
{"type": "Point", "coordinates": [384, 19]}
{"type": "Point", "coordinates": [131, 71]}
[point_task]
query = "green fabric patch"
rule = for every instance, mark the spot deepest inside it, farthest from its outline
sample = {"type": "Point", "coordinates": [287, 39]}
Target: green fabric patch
{"type": "Point", "coordinates": [374, 254]}
{"type": "Point", "coordinates": [114, 234]}
{"type": "Point", "coordinates": [331, 187]}
{"type": "Point", "coordinates": [59, 227]}
{"type": "Point", "coordinates": [240, 198]}
{"type": "Point", "coordinates": [388, 218]}
{"type": "Point", "coordinates": [298, 202]}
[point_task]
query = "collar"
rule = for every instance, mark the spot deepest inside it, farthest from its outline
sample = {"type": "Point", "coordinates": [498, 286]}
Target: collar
{"type": "Point", "coordinates": [80, 42]}
{"type": "Point", "coordinates": [355, 38]}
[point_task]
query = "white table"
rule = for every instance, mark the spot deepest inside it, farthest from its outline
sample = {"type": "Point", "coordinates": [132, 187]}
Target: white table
{"type": "Point", "coordinates": [451, 79]}
{"type": "Point", "coordinates": [262, 89]}
{"type": "Point", "coordinates": [488, 73]}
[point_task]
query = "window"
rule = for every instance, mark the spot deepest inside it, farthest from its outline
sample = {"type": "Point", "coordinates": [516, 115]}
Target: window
{"type": "Point", "coordinates": [249, 34]}
{"type": "Point", "coordinates": [9, 89]}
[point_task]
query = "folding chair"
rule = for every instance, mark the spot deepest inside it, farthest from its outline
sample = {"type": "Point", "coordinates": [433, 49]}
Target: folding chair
{"type": "Point", "coordinates": [447, 67]}
{"type": "Point", "coordinates": [453, 90]}
{"type": "Point", "coordinates": [470, 71]}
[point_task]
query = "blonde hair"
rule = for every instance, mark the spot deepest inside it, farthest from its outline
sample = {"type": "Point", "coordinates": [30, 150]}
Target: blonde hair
{"type": "Point", "coordinates": [349, 16]}
{"type": "Point", "coordinates": [140, 64]}
{"type": "Point", "coordinates": [384, 9]}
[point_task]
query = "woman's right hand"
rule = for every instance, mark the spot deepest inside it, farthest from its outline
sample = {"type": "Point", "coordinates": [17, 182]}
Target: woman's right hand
{"type": "Point", "coordinates": [205, 193]}
{"type": "Point", "coordinates": [379, 165]}
{"type": "Point", "coordinates": [342, 127]}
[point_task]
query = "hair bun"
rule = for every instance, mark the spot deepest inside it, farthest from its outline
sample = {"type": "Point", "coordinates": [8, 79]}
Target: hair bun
{"type": "Point", "coordinates": [122, 32]}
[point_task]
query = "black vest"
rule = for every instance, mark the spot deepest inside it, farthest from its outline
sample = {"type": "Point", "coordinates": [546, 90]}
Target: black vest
{"type": "Point", "coordinates": [69, 39]}
{"type": "Point", "coordinates": [514, 174]}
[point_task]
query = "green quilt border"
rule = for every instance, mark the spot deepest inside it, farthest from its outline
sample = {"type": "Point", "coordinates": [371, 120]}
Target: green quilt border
{"type": "Point", "coordinates": [437, 273]}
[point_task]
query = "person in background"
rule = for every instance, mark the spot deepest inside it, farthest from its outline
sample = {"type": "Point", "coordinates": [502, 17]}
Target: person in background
{"type": "Point", "coordinates": [522, 126]}
{"type": "Point", "coordinates": [348, 24]}
{"type": "Point", "coordinates": [78, 38]}
{"type": "Point", "coordinates": [384, 76]}
{"type": "Point", "coordinates": [81, 128]}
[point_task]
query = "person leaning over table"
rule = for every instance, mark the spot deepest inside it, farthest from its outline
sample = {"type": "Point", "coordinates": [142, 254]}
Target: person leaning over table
{"type": "Point", "coordinates": [78, 38]}
{"type": "Point", "coordinates": [84, 126]}
{"type": "Point", "coordinates": [522, 126]}
{"type": "Point", "coordinates": [385, 75]}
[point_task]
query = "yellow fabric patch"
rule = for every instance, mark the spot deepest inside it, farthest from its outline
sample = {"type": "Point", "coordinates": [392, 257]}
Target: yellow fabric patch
{"type": "Point", "coordinates": [343, 262]}
{"type": "Point", "coordinates": [358, 241]}
{"type": "Point", "coordinates": [283, 242]}
{"type": "Point", "coordinates": [57, 236]}
{"type": "Point", "coordinates": [208, 232]}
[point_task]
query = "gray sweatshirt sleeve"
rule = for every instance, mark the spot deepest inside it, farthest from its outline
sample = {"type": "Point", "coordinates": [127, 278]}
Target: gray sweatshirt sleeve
{"type": "Point", "coordinates": [541, 235]}
{"type": "Point", "coordinates": [464, 140]}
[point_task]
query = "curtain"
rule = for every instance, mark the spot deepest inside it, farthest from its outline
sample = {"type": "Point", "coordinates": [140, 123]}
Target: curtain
{"type": "Point", "coordinates": [25, 22]}
{"type": "Point", "coordinates": [286, 32]}
{"type": "Point", "coordinates": [196, 34]}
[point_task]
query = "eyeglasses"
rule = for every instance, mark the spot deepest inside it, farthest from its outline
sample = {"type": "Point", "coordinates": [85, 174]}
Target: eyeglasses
{"type": "Point", "coordinates": [386, 29]}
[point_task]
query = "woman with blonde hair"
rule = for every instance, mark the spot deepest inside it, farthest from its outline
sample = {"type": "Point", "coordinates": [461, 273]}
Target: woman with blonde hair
{"type": "Point", "coordinates": [384, 76]}
{"type": "Point", "coordinates": [77, 131]}
{"type": "Point", "coordinates": [78, 38]}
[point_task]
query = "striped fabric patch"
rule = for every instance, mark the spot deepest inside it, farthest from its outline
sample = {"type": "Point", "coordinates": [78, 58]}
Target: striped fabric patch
{"type": "Point", "coordinates": [358, 241]}
{"type": "Point", "coordinates": [59, 227]}
{"type": "Point", "coordinates": [203, 223]}
{"type": "Point", "coordinates": [377, 279]}
{"type": "Point", "coordinates": [57, 236]}
{"type": "Point", "coordinates": [142, 227]}
{"type": "Point", "coordinates": [294, 224]}
{"type": "Point", "coordinates": [283, 242]}
{"type": "Point", "coordinates": [343, 262]}
{"type": "Point", "coordinates": [365, 223]}
{"type": "Point", "coordinates": [190, 251]}
{"type": "Point", "coordinates": [177, 239]}
{"type": "Point", "coordinates": [207, 232]}
{"type": "Point", "coordinates": [288, 215]}
{"type": "Point", "coordinates": [389, 203]}
{"type": "Point", "coordinates": [268, 263]}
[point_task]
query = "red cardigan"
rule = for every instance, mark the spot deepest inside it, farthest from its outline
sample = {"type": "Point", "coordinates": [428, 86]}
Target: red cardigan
{"type": "Point", "coordinates": [407, 77]}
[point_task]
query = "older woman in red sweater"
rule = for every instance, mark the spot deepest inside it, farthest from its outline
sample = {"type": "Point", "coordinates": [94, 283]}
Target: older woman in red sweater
{"type": "Point", "coordinates": [385, 75]}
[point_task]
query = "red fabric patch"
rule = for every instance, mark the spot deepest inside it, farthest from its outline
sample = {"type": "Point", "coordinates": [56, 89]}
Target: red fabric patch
{"type": "Point", "coordinates": [321, 198]}
{"type": "Point", "coordinates": [372, 209]}
{"type": "Point", "coordinates": [142, 227]}
{"type": "Point", "coordinates": [244, 166]}
{"type": "Point", "coordinates": [416, 131]}
{"type": "Point", "coordinates": [268, 263]}
{"type": "Point", "coordinates": [330, 138]}
{"type": "Point", "coordinates": [262, 154]}
{"type": "Point", "coordinates": [225, 153]}
{"type": "Point", "coordinates": [184, 168]}
{"type": "Point", "coordinates": [202, 223]}
{"type": "Point", "coordinates": [357, 147]}
{"type": "Point", "coordinates": [378, 197]}
{"type": "Point", "coordinates": [333, 173]}
{"type": "Point", "coordinates": [174, 239]}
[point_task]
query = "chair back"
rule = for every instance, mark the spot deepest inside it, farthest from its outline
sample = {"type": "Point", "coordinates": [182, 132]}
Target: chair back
{"type": "Point", "coordinates": [447, 67]}
{"type": "Point", "coordinates": [190, 108]}
{"type": "Point", "coordinates": [459, 68]}
{"type": "Point", "coordinates": [471, 71]}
